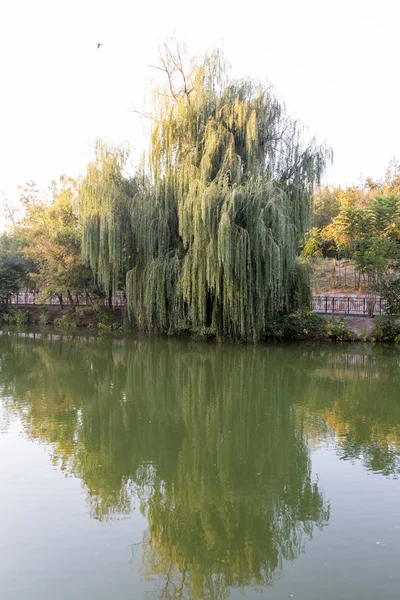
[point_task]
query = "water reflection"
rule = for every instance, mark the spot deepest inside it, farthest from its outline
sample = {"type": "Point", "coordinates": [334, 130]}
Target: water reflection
{"type": "Point", "coordinates": [212, 442]}
{"type": "Point", "coordinates": [355, 392]}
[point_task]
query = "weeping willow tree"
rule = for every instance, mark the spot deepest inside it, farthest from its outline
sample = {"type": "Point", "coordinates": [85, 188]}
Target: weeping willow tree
{"type": "Point", "coordinates": [104, 200]}
{"type": "Point", "coordinates": [231, 193]}
{"type": "Point", "coordinates": [222, 206]}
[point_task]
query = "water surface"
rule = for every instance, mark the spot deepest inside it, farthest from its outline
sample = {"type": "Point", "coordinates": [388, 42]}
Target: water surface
{"type": "Point", "coordinates": [151, 468]}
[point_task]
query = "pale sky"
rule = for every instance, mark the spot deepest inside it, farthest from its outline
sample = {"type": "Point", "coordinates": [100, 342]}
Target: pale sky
{"type": "Point", "coordinates": [334, 62]}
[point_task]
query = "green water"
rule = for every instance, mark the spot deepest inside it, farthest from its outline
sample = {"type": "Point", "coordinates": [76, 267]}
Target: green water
{"type": "Point", "coordinates": [148, 468]}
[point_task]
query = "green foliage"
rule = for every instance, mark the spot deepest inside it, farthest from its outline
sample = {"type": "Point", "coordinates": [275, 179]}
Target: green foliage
{"type": "Point", "coordinates": [345, 219]}
{"type": "Point", "coordinates": [371, 229]}
{"type": "Point", "coordinates": [16, 317]}
{"type": "Point", "coordinates": [210, 231]}
{"type": "Point", "coordinates": [326, 206]}
{"type": "Point", "coordinates": [95, 316]}
{"type": "Point", "coordinates": [339, 332]}
{"type": "Point", "coordinates": [318, 243]}
{"type": "Point", "coordinates": [205, 238]}
{"type": "Point", "coordinates": [389, 288]}
{"type": "Point", "coordinates": [44, 316]}
{"type": "Point", "coordinates": [104, 202]}
{"type": "Point", "coordinates": [301, 325]}
{"type": "Point", "coordinates": [51, 236]}
{"type": "Point", "coordinates": [66, 321]}
{"type": "Point", "coordinates": [371, 238]}
{"type": "Point", "coordinates": [13, 267]}
{"type": "Point", "coordinates": [115, 326]}
{"type": "Point", "coordinates": [367, 231]}
{"type": "Point", "coordinates": [307, 325]}
{"type": "Point", "coordinates": [386, 329]}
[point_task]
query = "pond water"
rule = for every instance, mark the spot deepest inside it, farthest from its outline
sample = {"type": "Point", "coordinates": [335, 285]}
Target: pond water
{"type": "Point", "coordinates": [152, 468]}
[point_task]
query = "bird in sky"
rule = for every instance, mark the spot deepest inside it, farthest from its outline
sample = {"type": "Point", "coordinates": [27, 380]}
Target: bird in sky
{"type": "Point", "coordinates": [98, 45]}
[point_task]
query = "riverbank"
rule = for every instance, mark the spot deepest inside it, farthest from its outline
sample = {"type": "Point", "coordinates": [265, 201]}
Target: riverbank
{"type": "Point", "coordinates": [300, 326]}
{"type": "Point", "coordinates": [94, 316]}
{"type": "Point", "coordinates": [362, 327]}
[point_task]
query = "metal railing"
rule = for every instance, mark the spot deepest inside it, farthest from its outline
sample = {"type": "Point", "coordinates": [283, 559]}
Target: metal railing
{"type": "Point", "coordinates": [32, 298]}
{"type": "Point", "coordinates": [348, 305]}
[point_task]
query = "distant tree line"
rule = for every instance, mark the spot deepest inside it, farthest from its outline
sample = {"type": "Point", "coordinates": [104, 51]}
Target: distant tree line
{"type": "Point", "coordinates": [362, 223]}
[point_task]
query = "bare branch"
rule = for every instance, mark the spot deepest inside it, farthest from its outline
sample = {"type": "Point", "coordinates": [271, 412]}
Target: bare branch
{"type": "Point", "coordinates": [159, 68]}
{"type": "Point", "coordinates": [170, 72]}
{"type": "Point", "coordinates": [144, 115]}
{"type": "Point", "coordinates": [179, 66]}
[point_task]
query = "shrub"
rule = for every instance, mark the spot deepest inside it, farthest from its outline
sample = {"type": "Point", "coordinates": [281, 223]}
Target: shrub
{"type": "Point", "coordinates": [17, 317]}
{"type": "Point", "coordinates": [303, 325]}
{"type": "Point", "coordinates": [95, 315]}
{"type": "Point", "coordinates": [337, 331]}
{"type": "Point", "coordinates": [386, 329]}
{"type": "Point", "coordinates": [308, 325]}
{"type": "Point", "coordinates": [44, 316]}
{"type": "Point", "coordinates": [67, 321]}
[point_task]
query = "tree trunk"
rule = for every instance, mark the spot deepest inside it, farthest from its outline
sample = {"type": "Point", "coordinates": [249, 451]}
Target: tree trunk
{"type": "Point", "coordinates": [70, 300]}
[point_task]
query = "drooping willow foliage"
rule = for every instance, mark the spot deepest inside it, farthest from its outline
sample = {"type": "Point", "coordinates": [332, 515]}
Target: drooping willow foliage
{"type": "Point", "coordinates": [104, 202]}
{"type": "Point", "coordinates": [224, 203]}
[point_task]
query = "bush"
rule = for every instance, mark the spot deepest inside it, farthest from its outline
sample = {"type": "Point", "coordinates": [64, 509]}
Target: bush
{"type": "Point", "coordinates": [44, 316]}
{"type": "Point", "coordinates": [95, 316]}
{"type": "Point", "coordinates": [303, 325]}
{"type": "Point", "coordinates": [337, 331]}
{"type": "Point", "coordinates": [16, 317]}
{"type": "Point", "coordinates": [389, 290]}
{"type": "Point", "coordinates": [308, 325]}
{"type": "Point", "coordinates": [67, 321]}
{"type": "Point", "coordinates": [386, 329]}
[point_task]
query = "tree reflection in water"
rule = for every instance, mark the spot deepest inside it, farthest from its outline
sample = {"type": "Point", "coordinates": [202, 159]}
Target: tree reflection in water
{"type": "Point", "coordinates": [211, 441]}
